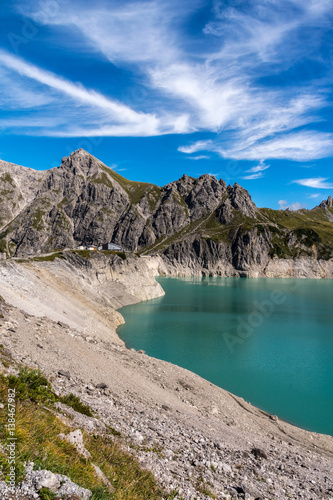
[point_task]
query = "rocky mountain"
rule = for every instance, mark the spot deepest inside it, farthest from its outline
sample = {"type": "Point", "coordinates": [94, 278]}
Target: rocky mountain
{"type": "Point", "coordinates": [201, 225]}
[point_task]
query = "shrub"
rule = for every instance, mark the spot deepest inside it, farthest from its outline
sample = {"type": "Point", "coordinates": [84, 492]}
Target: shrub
{"type": "Point", "coordinates": [31, 384]}
{"type": "Point", "coordinates": [77, 405]}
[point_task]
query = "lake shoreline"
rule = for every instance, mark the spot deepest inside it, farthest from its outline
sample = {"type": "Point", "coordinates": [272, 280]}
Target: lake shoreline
{"type": "Point", "coordinates": [179, 425]}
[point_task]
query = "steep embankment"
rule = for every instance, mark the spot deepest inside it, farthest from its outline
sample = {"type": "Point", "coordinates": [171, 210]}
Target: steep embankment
{"type": "Point", "coordinates": [198, 439]}
{"type": "Point", "coordinates": [197, 226]}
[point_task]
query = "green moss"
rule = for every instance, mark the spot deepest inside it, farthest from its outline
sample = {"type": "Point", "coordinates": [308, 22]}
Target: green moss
{"type": "Point", "coordinates": [63, 202]}
{"type": "Point", "coordinates": [5, 192]}
{"type": "Point", "coordinates": [3, 245]}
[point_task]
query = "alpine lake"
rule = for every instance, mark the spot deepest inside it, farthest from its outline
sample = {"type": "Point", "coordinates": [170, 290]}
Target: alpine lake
{"type": "Point", "coordinates": [269, 341]}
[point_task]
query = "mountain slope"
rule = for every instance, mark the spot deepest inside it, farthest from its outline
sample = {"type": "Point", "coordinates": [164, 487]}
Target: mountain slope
{"type": "Point", "coordinates": [189, 222]}
{"type": "Point", "coordinates": [18, 187]}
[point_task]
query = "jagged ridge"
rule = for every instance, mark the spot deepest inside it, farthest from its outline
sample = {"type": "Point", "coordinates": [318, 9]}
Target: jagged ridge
{"type": "Point", "coordinates": [192, 222]}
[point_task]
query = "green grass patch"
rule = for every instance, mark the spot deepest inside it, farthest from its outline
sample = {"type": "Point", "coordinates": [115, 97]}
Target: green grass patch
{"type": "Point", "coordinates": [46, 494]}
{"type": "Point", "coordinates": [85, 254]}
{"type": "Point", "coordinates": [77, 405]}
{"type": "Point", "coordinates": [37, 219]}
{"type": "Point", "coordinates": [8, 178]}
{"type": "Point", "coordinates": [135, 190]}
{"type": "Point", "coordinates": [31, 384]}
{"type": "Point", "coordinates": [48, 258]}
{"type": "Point", "coordinates": [37, 432]}
{"type": "Point", "coordinates": [103, 179]}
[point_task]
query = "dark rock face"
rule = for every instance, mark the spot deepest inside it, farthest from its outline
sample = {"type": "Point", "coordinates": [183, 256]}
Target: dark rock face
{"type": "Point", "coordinates": [250, 249]}
{"type": "Point", "coordinates": [327, 203]}
{"type": "Point", "coordinates": [192, 222]}
{"type": "Point", "coordinates": [210, 256]}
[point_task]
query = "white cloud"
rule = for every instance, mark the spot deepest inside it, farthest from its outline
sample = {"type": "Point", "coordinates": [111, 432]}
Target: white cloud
{"type": "Point", "coordinates": [114, 118]}
{"type": "Point", "coordinates": [197, 146]}
{"type": "Point", "coordinates": [313, 196]}
{"type": "Point", "coordinates": [257, 171]}
{"type": "Point", "coordinates": [200, 157]}
{"type": "Point", "coordinates": [75, 91]}
{"type": "Point", "coordinates": [315, 182]}
{"type": "Point", "coordinates": [211, 83]}
{"type": "Point", "coordinates": [283, 204]}
{"type": "Point", "coordinates": [258, 168]}
{"type": "Point", "coordinates": [299, 146]}
{"type": "Point", "coordinates": [296, 206]}
{"type": "Point", "coordinates": [251, 177]}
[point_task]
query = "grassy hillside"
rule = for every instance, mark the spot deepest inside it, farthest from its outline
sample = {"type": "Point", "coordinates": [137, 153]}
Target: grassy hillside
{"type": "Point", "coordinates": [37, 432]}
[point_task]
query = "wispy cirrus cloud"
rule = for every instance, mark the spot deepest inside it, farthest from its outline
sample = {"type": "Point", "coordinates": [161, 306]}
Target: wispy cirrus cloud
{"type": "Point", "coordinates": [315, 182]}
{"type": "Point", "coordinates": [197, 146]}
{"type": "Point", "coordinates": [252, 177]}
{"type": "Point", "coordinates": [113, 117]}
{"type": "Point", "coordinates": [299, 145]}
{"type": "Point", "coordinates": [256, 172]}
{"type": "Point", "coordinates": [314, 196]}
{"type": "Point", "coordinates": [199, 157]}
{"type": "Point", "coordinates": [222, 80]}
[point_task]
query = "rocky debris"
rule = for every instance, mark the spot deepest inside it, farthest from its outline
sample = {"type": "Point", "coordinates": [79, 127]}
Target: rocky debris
{"type": "Point", "coordinates": [193, 436]}
{"type": "Point", "coordinates": [63, 373]}
{"type": "Point", "coordinates": [258, 453]}
{"type": "Point", "coordinates": [75, 419]}
{"type": "Point", "coordinates": [46, 479]}
{"type": "Point", "coordinates": [103, 478]}
{"type": "Point", "coordinates": [76, 439]}
{"type": "Point", "coordinates": [101, 385]}
{"type": "Point", "coordinates": [35, 480]}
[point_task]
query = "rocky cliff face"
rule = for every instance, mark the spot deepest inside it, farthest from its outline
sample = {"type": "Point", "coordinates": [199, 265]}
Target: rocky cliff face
{"type": "Point", "coordinates": [201, 226]}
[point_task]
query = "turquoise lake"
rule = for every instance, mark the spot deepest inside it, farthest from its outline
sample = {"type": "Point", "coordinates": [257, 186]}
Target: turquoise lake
{"type": "Point", "coordinates": [269, 341]}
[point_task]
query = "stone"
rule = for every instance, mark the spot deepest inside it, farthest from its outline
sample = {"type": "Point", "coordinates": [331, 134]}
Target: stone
{"type": "Point", "coordinates": [46, 479]}
{"type": "Point", "coordinates": [76, 439]}
{"type": "Point", "coordinates": [103, 478]}
{"type": "Point", "coordinates": [65, 374]}
{"type": "Point", "coordinates": [258, 453]}
{"type": "Point", "coordinates": [101, 385]}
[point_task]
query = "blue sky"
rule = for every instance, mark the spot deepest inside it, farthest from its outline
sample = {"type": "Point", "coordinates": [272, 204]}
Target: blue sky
{"type": "Point", "coordinates": [158, 88]}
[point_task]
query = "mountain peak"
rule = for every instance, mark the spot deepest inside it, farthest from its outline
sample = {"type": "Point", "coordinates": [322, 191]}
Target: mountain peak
{"type": "Point", "coordinates": [327, 203]}
{"type": "Point", "coordinates": [81, 163]}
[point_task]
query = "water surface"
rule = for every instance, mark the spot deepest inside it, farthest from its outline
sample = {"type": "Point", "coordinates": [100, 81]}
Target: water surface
{"type": "Point", "coordinates": [267, 340]}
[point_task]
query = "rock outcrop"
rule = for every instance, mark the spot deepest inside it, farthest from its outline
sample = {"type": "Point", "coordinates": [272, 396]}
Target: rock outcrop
{"type": "Point", "coordinates": [199, 226]}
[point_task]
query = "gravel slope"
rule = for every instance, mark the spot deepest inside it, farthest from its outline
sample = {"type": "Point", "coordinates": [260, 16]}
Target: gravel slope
{"type": "Point", "coordinates": [194, 436]}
